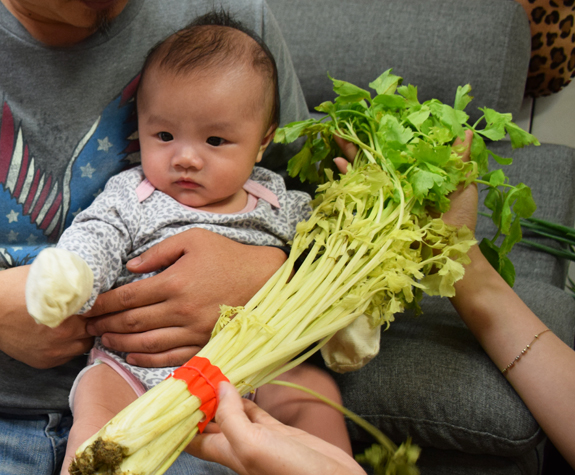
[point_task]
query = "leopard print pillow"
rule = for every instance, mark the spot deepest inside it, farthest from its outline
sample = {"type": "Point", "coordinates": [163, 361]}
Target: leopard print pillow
{"type": "Point", "coordinates": [552, 62]}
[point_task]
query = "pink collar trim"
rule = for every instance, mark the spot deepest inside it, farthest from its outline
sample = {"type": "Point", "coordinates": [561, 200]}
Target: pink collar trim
{"type": "Point", "coordinates": [260, 191]}
{"type": "Point", "coordinates": [145, 189]}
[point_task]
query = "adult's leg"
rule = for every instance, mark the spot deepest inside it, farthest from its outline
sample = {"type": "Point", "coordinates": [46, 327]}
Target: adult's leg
{"type": "Point", "coordinates": [299, 409]}
{"type": "Point", "coordinates": [187, 464]}
{"type": "Point", "coordinates": [33, 444]}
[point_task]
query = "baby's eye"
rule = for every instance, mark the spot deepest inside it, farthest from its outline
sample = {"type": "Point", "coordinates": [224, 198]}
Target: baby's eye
{"type": "Point", "coordinates": [215, 141]}
{"type": "Point", "coordinates": [165, 136]}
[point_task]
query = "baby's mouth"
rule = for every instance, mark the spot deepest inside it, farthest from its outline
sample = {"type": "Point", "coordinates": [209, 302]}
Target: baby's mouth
{"type": "Point", "coordinates": [185, 183]}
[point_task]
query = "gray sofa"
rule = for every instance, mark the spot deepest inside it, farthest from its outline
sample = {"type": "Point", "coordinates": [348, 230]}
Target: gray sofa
{"type": "Point", "coordinates": [431, 380]}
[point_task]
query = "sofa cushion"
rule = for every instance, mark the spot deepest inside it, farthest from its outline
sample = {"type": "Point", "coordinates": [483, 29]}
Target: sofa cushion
{"type": "Point", "coordinates": [441, 462]}
{"type": "Point", "coordinates": [435, 46]}
{"type": "Point", "coordinates": [433, 382]}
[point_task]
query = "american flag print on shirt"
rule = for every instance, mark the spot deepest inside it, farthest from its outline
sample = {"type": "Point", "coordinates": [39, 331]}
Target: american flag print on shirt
{"type": "Point", "coordinates": [35, 205]}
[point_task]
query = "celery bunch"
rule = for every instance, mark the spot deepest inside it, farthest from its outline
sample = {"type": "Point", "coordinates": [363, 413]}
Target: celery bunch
{"type": "Point", "coordinates": [411, 141]}
{"type": "Point", "coordinates": [368, 248]}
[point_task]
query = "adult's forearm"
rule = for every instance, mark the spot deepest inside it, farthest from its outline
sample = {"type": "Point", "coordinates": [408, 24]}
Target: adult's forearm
{"type": "Point", "coordinates": [12, 282]}
{"type": "Point", "coordinates": [24, 340]}
{"type": "Point", "coordinates": [544, 376]}
{"type": "Point", "coordinates": [492, 310]}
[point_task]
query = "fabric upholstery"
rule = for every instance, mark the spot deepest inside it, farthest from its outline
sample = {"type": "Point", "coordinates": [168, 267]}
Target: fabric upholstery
{"type": "Point", "coordinates": [482, 42]}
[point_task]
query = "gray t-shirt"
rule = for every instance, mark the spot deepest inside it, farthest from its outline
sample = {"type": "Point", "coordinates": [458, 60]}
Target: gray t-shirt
{"type": "Point", "coordinates": [68, 124]}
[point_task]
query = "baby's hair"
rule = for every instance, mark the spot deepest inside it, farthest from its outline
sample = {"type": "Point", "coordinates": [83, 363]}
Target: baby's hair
{"type": "Point", "coordinates": [211, 40]}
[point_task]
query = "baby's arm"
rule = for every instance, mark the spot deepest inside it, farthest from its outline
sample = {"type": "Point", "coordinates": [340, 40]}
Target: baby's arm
{"type": "Point", "coordinates": [89, 256]}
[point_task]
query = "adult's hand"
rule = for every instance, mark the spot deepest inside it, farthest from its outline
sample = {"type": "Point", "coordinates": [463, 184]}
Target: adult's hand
{"type": "Point", "coordinates": [25, 340]}
{"type": "Point", "coordinates": [249, 441]}
{"type": "Point", "coordinates": [165, 320]}
{"type": "Point", "coordinates": [463, 210]}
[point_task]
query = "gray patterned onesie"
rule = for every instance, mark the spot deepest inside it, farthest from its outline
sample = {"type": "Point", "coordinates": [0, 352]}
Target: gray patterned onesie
{"type": "Point", "coordinates": [130, 216]}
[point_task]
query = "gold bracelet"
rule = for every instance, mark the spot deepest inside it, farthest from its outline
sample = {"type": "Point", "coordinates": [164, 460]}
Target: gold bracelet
{"type": "Point", "coordinates": [518, 357]}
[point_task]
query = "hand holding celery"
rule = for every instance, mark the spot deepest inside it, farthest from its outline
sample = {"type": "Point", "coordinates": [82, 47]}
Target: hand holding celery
{"type": "Point", "coordinates": [250, 441]}
{"type": "Point", "coordinates": [371, 247]}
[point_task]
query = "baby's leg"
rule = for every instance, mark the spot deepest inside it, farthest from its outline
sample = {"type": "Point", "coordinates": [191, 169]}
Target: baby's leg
{"type": "Point", "coordinates": [298, 409]}
{"type": "Point", "coordinates": [100, 395]}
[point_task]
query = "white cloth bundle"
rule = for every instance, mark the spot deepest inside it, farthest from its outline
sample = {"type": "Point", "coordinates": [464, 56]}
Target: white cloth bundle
{"type": "Point", "coordinates": [58, 285]}
{"type": "Point", "coordinates": [353, 346]}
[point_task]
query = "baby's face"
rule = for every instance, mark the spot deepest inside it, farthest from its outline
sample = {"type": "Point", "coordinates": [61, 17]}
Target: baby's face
{"type": "Point", "coordinates": [201, 135]}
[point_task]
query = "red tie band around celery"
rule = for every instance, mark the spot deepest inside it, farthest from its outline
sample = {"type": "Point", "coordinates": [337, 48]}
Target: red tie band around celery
{"type": "Point", "coordinates": [203, 379]}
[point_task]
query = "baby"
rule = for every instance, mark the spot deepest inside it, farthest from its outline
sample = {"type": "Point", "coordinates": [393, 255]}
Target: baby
{"type": "Point", "coordinates": [208, 106]}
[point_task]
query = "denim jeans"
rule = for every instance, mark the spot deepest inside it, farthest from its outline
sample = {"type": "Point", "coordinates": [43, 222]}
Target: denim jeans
{"type": "Point", "coordinates": [35, 445]}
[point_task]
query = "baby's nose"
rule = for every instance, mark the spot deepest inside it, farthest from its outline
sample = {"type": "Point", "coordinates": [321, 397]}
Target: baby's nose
{"type": "Point", "coordinates": [187, 157]}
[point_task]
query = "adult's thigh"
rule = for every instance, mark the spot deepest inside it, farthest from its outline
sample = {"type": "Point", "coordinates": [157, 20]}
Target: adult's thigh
{"type": "Point", "coordinates": [186, 464]}
{"type": "Point", "coordinates": [33, 445]}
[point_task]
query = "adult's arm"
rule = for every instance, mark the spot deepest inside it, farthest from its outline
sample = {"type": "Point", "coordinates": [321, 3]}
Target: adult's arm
{"type": "Point", "coordinates": [24, 340]}
{"type": "Point", "coordinates": [544, 377]}
{"type": "Point", "coordinates": [249, 441]}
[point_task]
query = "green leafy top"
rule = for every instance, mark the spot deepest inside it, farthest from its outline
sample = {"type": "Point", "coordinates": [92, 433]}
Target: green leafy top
{"type": "Point", "coordinates": [413, 142]}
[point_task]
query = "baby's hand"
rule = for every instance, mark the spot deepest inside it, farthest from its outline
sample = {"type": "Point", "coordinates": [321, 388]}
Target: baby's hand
{"type": "Point", "coordinates": [58, 285]}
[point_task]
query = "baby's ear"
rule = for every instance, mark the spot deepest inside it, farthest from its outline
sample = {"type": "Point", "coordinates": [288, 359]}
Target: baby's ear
{"type": "Point", "coordinates": [267, 139]}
